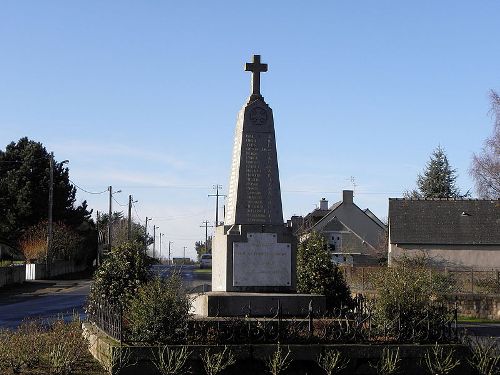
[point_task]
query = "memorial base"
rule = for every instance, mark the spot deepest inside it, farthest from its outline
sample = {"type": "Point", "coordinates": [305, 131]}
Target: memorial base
{"type": "Point", "coordinates": [234, 304]}
{"type": "Point", "coordinates": [254, 259]}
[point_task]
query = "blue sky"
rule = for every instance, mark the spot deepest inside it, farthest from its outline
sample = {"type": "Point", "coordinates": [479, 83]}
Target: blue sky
{"type": "Point", "coordinates": [143, 95]}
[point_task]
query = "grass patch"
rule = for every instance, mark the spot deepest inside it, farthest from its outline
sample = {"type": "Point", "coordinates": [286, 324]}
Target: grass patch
{"type": "Point", "coordinates": [466, 319]}
{"type": "Point", "coordinates": [203, 270]}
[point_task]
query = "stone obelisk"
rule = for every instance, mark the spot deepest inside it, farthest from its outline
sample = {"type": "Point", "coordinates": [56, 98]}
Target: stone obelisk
{"type": "Point", "coordinates": [253, 251]}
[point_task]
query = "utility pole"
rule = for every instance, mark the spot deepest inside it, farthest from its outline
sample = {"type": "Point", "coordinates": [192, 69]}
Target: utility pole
{"type": "Point", "coordinates": [146, 236]}
{"type": "Point", "coordinates": [184, 256]}
{"type": "Point", "coordinates": [154, 240]}
{"type": "Point", "coordinates": [169, 243]}
{"type": "Point", "coordinates": [217, 195]}
{"type": "Point", "coordinates": [161, 235]}
{"type": "Point", "coordinates": [98, 260]}
{"type": "Point", "coordinates": [51, 203]}
{"type": "Point", "coordinates": [110, 213]}
{"type": "Point", "coordinates": [206, 226]}
{"type": "Point", "coordinates": [129, 228]}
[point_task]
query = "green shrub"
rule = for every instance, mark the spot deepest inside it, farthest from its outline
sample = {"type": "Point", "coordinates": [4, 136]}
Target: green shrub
{"type": "Point", "coordinates": [159, 311]}
{"type": "Point", "coordinates": [316, 272]}
{"type": "Point", "coordinates": [124, 269]}
{"type": "Point", "coordinates": [407, 295]}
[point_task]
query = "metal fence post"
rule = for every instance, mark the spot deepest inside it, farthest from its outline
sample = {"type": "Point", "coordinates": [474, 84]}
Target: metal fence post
{"type": "Point", "coordinates": [472, 280]}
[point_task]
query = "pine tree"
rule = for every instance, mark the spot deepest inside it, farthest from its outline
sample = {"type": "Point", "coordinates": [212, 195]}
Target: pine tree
{"type": "Point", "coordinates": [24, 190]}
{"type": "Point", "coordinates": [437, 180]}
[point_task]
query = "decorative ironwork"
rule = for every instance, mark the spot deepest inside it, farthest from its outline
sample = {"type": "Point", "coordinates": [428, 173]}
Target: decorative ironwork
{"type": "Point", "coordinates": [358, 324]}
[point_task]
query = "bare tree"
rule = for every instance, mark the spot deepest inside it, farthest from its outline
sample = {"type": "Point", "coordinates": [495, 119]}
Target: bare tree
{"type": "Point", "coordinates": [485, 167]}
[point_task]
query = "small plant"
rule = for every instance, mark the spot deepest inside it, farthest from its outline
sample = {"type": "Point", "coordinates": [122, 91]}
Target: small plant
{"type": "Point", "coordinates": [120, 359]}
{"type": "Point", "coordinates": [439, 361]}
{"type": "Point", "coordinates": [171, 361]}
{"type": "Point", "coordinates": [215, 363]}
{"type": "Point", "coordinates": [332, 362]}
{"type": "Point", "coordinates": [389, 362]}
{"type": "Point", "coordinates": [278, 362]}
{"type": "Point", "coordinates": [60, 360]}
{"type": "Point", "coordinates": [485, 356]}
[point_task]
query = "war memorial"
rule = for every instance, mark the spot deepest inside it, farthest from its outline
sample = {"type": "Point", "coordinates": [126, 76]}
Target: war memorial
{"type": "Point", "coordinates": [254, 253]}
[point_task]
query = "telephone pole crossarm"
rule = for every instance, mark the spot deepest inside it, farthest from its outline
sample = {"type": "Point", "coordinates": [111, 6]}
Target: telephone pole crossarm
{"type": "Point", "coordinates": [217, 195]}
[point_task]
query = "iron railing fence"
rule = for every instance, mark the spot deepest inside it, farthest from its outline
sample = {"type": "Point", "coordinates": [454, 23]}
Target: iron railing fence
{"type": "Point", "coordinates": [107, 317]}
{"type": "Point", "coordinates": [358, 324]}
{"type": "Point", "coordinates": [458, 280]}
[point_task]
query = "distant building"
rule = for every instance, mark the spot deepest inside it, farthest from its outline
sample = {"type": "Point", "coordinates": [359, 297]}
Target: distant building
{"type": "Point", "coordinates": [355, 236]}
{"type": "Point", "coordinates": [451, 232]}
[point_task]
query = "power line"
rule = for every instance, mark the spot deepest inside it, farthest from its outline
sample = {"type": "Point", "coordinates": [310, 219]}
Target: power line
{"type": "Point", "coordinates": [136, 213]}
{"type": "Point", "coordinates": [118, 203]}
{"type": "Point", "coordinates": [86, 191]}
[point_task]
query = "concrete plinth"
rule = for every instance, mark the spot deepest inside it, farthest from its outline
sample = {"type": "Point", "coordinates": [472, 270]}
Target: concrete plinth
{"type": "Point", "coordinates": [232, 304]}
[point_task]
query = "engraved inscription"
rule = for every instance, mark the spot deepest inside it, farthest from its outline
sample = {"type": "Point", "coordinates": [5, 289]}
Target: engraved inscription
{"type": "Point", "coordinates": [262, 261]}
{"type": "Point", "coordinates": [259, 176]}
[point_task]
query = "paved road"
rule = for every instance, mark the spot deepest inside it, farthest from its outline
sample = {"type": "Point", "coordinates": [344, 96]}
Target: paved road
{"type": "Point", "coordinates": [47, 299]}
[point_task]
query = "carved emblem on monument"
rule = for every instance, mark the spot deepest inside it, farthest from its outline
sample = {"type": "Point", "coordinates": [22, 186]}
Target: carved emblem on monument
{"type": "Point", "coordinates": [258, 116]}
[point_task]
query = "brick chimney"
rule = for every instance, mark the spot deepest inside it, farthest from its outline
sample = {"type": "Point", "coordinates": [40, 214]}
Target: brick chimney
{"type": "Point", "coordinates": [347, 196]}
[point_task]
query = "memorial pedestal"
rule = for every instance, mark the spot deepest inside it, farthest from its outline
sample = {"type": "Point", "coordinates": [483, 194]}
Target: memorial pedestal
{"type": "Point", "coordinates": [254, 258]}
{"type": "Point", "coordinates": [234, 304]}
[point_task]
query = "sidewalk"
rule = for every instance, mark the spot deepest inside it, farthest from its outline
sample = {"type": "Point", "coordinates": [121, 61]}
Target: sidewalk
{"type": "Point", "coordinates": [37, 288]}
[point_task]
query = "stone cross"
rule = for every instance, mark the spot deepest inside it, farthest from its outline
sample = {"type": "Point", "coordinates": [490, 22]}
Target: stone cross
{"type": "Point", "coordinates": [256, 68]}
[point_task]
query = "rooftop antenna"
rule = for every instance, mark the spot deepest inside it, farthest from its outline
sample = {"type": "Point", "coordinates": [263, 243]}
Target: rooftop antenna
{"type": "Point", "coordinates": [353, 183]}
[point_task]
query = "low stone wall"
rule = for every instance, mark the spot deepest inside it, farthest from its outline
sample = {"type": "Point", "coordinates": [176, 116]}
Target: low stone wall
{"type": "Point", "coordinates": [15, 274]}
{"type": "Point", "coordinates": [38, 271]}
{"type": "Point", "coordinates": [251, 358]}
{"type": "Point", "coordinates": [481, 306]}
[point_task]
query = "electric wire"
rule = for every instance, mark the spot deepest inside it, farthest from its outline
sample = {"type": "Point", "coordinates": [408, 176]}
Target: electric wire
{"type": "Point", "coordinates": [86, 191]}
{"type": "Point", "coordinates": [118, 203]}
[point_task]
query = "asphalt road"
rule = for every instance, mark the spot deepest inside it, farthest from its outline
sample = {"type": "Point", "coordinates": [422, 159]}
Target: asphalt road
{"type": "Point", "coordinates": [49, 299]}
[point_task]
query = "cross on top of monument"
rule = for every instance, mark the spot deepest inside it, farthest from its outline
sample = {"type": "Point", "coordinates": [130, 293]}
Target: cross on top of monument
{"type": "Point", "coordinates": [256, 68]}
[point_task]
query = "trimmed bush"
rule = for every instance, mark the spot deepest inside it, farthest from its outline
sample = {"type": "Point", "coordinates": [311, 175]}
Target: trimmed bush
{"type": "Point", "coordinates": [159, 311]}
{"type": "Point", "coordinates": [316, 272]}
{"type": "Point", "coordinates": [124, 269]}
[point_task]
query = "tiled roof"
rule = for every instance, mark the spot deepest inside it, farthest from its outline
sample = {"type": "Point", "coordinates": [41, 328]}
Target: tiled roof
{"type": "Point", "coordinates": [443, 221]}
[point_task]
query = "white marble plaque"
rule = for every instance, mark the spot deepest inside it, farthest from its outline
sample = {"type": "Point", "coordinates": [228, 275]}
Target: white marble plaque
{"type": "Point", "coordinates": [262, 261]}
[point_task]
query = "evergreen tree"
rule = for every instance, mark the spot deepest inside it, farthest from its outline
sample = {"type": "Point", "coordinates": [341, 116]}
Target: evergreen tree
{"type": "Point", "coordinates": [437, 180]}
{"type": "Point", "coordinates": [316, 272]}
{"type": "Point", "coordinates": [24, 190]}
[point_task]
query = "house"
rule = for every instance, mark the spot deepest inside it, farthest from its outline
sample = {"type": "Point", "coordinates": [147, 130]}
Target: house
{"type": "Point", "coordinates": [451, 232]}
{"type": "Point", "coordinates": [354, 235]}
